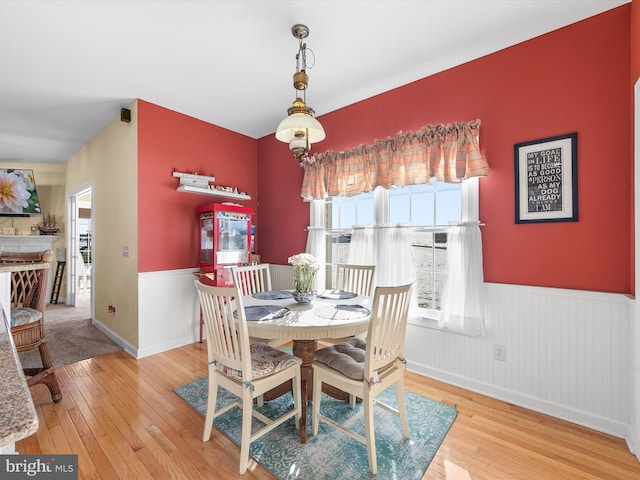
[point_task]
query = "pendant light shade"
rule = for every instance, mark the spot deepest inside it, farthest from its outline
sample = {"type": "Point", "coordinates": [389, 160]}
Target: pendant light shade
{"type": "Point", "coordinates": [299, 124]}
{"type": "Point", "coordinates": [300, 129]}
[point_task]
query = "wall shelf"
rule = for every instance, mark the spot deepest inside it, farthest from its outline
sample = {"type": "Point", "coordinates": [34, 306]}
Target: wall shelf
{"type": "Point", "coordinates": [212, 192]}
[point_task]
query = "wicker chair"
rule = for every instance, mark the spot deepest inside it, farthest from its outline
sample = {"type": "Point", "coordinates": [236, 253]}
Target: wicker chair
{"type": "Point", "coordinates": [28, 301]}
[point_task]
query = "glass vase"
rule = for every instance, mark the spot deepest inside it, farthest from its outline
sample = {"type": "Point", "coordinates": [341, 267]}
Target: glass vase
{"type": "Point", "coordinates": [303, 280]}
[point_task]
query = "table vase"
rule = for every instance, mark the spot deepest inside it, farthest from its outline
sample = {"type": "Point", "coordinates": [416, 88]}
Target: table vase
{"type": "Point", "coordinates": [304, 297]}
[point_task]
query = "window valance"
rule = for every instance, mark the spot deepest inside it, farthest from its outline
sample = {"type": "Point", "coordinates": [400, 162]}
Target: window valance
{"type": "Point", "coordinates": [449, 153]}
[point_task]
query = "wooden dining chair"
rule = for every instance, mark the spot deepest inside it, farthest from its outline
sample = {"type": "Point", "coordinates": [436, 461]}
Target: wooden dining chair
{"type": "Point", "coordinates": [244, 369]}
{"type": "Point", "coordinates": [366, 369]}
{"type": "Point", "coordinates": [356, 278]}
{"type": "Point", "coordinates": [252, 278]}
{"type": "Point", "coordinates": [352, 278]}
{"type": "Point", "coordinates": [28, 301]}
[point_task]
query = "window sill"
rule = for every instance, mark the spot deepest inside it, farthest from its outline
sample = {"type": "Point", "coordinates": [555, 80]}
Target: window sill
{"type": "Point", "coordinates": [426, 322]}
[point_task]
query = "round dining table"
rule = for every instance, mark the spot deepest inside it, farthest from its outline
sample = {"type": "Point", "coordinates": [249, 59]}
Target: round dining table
{"type": "Point", "coordinates": [275, 315]}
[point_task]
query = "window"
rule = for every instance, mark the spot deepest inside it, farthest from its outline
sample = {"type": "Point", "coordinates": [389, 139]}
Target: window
{"type": "Point", "coordinates": [427, 209]}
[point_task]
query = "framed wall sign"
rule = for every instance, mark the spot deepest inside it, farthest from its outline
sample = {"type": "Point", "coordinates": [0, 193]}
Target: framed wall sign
{"type": "Point", "coordinates": [546, 180]}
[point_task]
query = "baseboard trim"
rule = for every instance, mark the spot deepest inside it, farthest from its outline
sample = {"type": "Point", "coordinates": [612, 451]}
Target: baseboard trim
{"type": "Point", "coordinates": [578, 417]}
{"type": "Point", "coordinates": [126, 346]}
{"type": "Point", "coordinates": [145, 352]}
{"type": "Point", "coordinates": [141, 353]}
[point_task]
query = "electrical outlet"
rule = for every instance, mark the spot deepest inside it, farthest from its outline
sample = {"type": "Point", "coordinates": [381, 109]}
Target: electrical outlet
{"type": "Point", "coordinates": [499, 352]}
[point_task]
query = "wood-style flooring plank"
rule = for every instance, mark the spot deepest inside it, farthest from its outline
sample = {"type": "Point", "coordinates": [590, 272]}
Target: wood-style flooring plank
{"type": "Point", "coordinates": [107, 461]}
{"type": "Point", "coordinates": [141, 437]}
{"type": "Point", "coordinates": [122, 418]}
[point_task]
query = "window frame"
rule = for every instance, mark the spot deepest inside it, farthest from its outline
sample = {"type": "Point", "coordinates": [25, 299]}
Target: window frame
{"type": "Point", "coordinates": [470, 212]}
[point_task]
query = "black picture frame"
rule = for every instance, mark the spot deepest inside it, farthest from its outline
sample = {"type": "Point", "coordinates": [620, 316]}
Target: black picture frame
{"type": "Point", "coordinates": [546, 180]}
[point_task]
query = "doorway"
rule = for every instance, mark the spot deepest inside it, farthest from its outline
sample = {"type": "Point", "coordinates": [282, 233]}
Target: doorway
{"type": "Point", "coordinates": [80, 249]}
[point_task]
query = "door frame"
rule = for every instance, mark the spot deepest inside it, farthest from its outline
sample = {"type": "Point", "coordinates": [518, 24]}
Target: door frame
{"type": "Point", "coordinates": [72, 240]}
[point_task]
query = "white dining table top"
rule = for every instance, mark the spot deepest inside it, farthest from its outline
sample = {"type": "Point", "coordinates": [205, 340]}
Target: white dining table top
{"type": "Point", "coordinates": [320, 319]}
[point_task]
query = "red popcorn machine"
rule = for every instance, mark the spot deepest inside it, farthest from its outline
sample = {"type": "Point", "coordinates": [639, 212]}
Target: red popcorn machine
{"type": "Point", "coordinates": [225, 240]}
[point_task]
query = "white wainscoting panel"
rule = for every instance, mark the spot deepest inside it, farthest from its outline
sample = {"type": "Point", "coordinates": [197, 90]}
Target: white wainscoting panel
{"type": "Point", "coordinates": [567, 351]}
{"type": "Point", "coordinates": [567, 354]}
{"type": "Point", "coordinates": [168, 313]}
{"type": "Point", "coordinates": [634, 397]}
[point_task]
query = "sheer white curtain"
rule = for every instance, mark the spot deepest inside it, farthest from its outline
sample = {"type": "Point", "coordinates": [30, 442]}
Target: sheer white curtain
{"type": "Point", "coordinates": [315, 246]}
{"type": "Point", "coordinates": [363, 248]}
{"type": "Point", "coordinates": [463, 296]}
{"type": "Point", "coordinates": [386, 247]}
{"type": "Point", "coordinates": [316, 240]}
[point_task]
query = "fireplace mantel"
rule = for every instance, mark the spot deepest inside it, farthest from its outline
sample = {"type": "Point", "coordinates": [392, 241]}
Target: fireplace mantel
{"type": "Point", "coordinates": [26, 243]}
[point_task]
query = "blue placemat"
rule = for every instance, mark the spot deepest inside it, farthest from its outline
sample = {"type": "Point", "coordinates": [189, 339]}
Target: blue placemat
{"type": "Point", "coordinates": [256, 313]}
{"type": "Point", "coordinates": [337, 295]}
{"type": "Point", "coordinates": [273, 295]}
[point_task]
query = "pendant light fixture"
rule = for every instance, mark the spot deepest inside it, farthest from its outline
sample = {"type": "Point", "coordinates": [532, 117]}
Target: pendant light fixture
{"type": "Point", "coordinates": [300, 129]}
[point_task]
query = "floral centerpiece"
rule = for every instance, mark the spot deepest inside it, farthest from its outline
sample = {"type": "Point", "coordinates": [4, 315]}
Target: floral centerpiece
{"type": "Point", "coordinates": [305, 268]}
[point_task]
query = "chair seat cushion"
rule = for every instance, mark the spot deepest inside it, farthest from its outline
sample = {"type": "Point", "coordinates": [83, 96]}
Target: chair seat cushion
{"type": "Point", "coordinates": [24, 315]}
{"type": "Point", "coordinates": [265, 360]}
{"type": "Point", "coordinates": [346, 357]}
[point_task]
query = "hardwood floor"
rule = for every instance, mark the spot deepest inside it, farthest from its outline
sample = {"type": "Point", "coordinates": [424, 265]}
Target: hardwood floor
{"type": "Point", "coordinates": [122, 418]}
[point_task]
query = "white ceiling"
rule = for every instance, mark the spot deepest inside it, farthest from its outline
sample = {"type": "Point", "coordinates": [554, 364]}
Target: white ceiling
{"type": "Point", "coordinates": [67, 67]}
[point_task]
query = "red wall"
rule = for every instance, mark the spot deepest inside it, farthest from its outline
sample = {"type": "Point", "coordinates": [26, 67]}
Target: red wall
{"type": "Point", "coordinates": [167, 140]}
{"type": "Point", "coordinates": [575, 79]}
{"type": "Point", "coordinates": [635, 40]}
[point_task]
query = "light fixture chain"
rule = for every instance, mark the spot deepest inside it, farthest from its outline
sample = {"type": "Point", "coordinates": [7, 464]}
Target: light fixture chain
{"type": "Point", "coordinates": [300, 129]}
{"type": "Point", "coordinates": [302, 52]}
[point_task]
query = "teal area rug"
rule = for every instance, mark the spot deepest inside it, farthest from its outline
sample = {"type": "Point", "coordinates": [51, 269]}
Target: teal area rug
{"type": "Point", "coordinates": [331, 454]}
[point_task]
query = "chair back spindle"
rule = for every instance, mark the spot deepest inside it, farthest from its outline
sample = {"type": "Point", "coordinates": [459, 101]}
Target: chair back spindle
{"type": "Point", "coordinates": [252, 278]}
{"type": "Point", "coordinates": [356, 278]}
{"type": "Point", "coordinates": [226, 335]}
{"type": "Point", "coordinates": [387, 328]}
